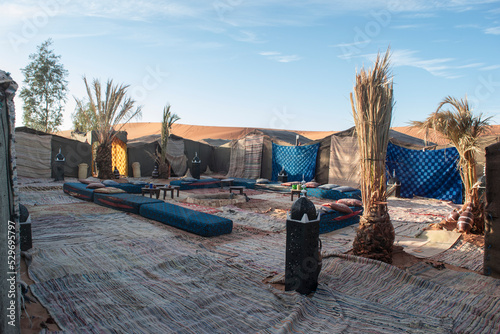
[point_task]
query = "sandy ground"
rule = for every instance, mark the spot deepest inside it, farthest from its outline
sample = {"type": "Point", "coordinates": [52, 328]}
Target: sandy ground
{"type": "Point", "coordinates": [267, 212]}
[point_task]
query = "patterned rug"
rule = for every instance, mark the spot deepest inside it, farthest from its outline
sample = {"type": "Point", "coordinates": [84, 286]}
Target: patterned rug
{"type": "Point", "coordinates": [98, 270]}
{"type": "Point", "coordinates": [46, 197]}
{"type": "Point", "coordinates": [463, 254]}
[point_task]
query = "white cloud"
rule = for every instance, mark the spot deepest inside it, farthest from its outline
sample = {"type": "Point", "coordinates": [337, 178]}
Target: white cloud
{"type": "Point", "coordinates": [490, 68]}
{"type": "Point", "coordinates": [439, 67]}
{"type": "Point", "coordinates": [269, 53]}
{"type": "Point", "coordinates": [492, 31]}
{"type": "Point", "coordinates": [246, 36]}
{"type": "Point", "coordinates": [277, 56]}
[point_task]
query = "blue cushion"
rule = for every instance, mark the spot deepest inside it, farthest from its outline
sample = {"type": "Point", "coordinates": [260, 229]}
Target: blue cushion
{"type": "Point", "coordinates": [200, 223]}
{"type": "Point", "coordinates": [129, 187]}
{"type": "Point", "coordinates": [124, 202]}
{"type": "Point", "coordinates": [333, 194]}
{"type": "Point", "coordinates": [334, 220]}
{"type": "Point", "coordinates": [110, 183]}
{"type": "Point", "coordinates": [197, 184]}
{"type": "Point", "coordinates": [79, 190]}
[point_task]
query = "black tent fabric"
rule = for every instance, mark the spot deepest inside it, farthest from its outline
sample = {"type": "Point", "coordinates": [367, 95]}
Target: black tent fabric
{"type": "Point", "coordinates": [75, 153]}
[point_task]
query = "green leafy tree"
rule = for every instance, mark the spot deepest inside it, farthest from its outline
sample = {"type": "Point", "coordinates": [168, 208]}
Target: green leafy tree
{"type": "Point", "coordinates": [84, 119]}
{"type": "Point", "coordinates": [111, 109]}
{"type": "Point", "coordinates": [45, 90]}
{"type": "Point", "coordinates": [166, 125]}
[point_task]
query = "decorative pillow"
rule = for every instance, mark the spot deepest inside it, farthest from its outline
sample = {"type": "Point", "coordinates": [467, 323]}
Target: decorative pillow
{"type": "Point", "coordinates": [344, 189]}
{"type": "Point", "coordinates": [340, 207]}
{"type": "Point", "coordinates": [95, 185]}
{"type": "Point", "coordinates": [189, 179]}
{"type": "Point", "coordinates": [325, 209]}
{"type": "Point", "coordinates": [109, 190]}
{"type": "Point", "coordinates": [110, 183]}
{"type": "Point", "coordinates": [312, 184]}
{"type": "Point", "coordinates": [287, 184]}
{"type": "Point", "coordinates": [262, 181]}
{"type": "Point", "coordinates": [328, 186]}
{"type": "Point", "coordinates": [87, 181]}
{"type": "Point", "coordinates": [139, 183]}
{"type": "Point", "coordinates": [122, 180]}
{"type": "Point", "coordinates": [350, 202]}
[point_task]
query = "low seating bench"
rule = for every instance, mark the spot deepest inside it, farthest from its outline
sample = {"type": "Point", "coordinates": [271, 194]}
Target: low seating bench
{"type": "Point", "coordinates": [123, 202]}
{"type": "Point", "coordinates": [78, 190]}
{"type": "Point", "coordinates": [334, 220]}
{"type": "Point", "coordinates": [129, 187]}
{"type": "Point", "coordinates": [200, 223]}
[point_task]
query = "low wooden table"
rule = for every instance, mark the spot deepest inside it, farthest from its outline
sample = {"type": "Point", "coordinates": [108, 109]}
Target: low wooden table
{"type": "Point", "coordinates": [298, 192]}
{"type": "Point", "coordinates": [171, 189]}
{"type": "Point", "coordinates": [228, 182]}
{"type": "Point", "coordinates": [151, 191]}
{"type": "Point", "coordinates": [240, 188]}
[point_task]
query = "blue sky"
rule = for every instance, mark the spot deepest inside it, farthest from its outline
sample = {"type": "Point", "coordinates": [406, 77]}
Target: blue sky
{"type": "Point", "coordinates": [275, 64]}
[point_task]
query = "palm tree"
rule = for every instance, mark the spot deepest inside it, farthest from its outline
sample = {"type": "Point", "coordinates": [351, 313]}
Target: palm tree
{"type": "Point", "coordinates": [166, 125]}
{"type": "Point", "coordinates": [463, 130]}
{"type": "Point", "coordinates": [372, 104]}
{"type": "Point", "coordinates": [111, 112]}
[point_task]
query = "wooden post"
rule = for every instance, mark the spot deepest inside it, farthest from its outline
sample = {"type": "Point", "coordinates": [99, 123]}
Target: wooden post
{"type": "Point", "coordinates": [9, 221]}
{"type": "Point", "coordinates": [492, 224]}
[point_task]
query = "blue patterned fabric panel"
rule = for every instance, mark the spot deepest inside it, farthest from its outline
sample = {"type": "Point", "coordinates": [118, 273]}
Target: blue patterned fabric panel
{"type": "Point", "coordinates": [79, 190]}
{"type": "Point", "coordinates": [124, 202]}
{"type": "Point", "coordinates": [200, 223]}
{"type": "Point", "coordinates": [297, 160]}
{"type": "Point", "coordinates": [431, 174]}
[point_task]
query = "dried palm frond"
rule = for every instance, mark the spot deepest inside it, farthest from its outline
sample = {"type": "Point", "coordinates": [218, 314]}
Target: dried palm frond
{"type": "Point", "coordinates": [463, 130]}
{"type": "Point", "coordinates": [372, 104]}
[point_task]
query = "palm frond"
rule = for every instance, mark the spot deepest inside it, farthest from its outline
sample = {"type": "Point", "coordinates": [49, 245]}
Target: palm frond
{"type": "Point", "coordinates": [372, 103]}
{"type": "Point", "coordinates": [462, 129]}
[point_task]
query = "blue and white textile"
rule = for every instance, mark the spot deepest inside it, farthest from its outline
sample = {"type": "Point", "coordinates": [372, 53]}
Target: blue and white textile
{"type": "Point", "coordinates": [431, 173]}
{"type": "Point", "coordinates": [297, 160]}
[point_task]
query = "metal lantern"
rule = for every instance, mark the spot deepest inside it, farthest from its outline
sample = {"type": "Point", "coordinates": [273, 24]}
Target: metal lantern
{"type": "Point", "coordinates": [116, 172]}
{"type": "Point", "coordinates": [58, 166]}
{"type": "Point", "coordinates": [394, 186]}
{"type": "Point", "coordinates": [303, 253]}
{"type": "Point", "coordinates": [196, 166]}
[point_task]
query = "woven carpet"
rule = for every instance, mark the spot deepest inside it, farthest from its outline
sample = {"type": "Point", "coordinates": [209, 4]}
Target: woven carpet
{"type": "Point", "coordinates": [46, 197]}
{"type": "Point", "coordinates": [463, 254]}
{"type": "Point", "coordinates": [112, 272]}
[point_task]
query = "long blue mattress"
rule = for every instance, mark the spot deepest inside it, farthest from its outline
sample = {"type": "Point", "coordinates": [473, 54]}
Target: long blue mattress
{"type": "Point", "coordinates": [333, 194]}
{"type": "Point", "coordinates": [334, 220]}
{"type": "Point", "coordinates": [124, 202]}
{"type": "Point", "coordinates": [198, 184]}
{"type": "Point", "coordinates": [129, 187]}
{"type": "Point", "coordinates": [200, 223]}
{"type": "Point", "coordinates": [79, 190]}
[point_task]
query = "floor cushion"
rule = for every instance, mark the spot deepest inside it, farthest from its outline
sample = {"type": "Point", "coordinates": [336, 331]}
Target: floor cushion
{"type": "Point", "coordinates": [79, 190]}
{"type": "Point", "coordinates": [124, 202]}
{"type": "Point", "coordinates": [200, 223]}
